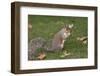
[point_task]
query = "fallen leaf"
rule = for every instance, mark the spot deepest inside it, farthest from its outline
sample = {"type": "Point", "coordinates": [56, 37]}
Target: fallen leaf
{"type": "Point", "coordinates": [29, 26]}
{"type": "Point", "coordinates": [41, 56]}
{"type": "Point", "coordinates": [62, 56]}
{"type": "Point", "coordinates": [65, 53]}
{"type": "Point", "coordinates": [84, 42]}
{"type": "Point", "coordinates": [82, 38]}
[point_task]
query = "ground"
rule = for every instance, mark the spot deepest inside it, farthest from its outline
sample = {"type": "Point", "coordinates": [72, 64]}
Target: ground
{"type": "Point", "coordinates": [47, 26]}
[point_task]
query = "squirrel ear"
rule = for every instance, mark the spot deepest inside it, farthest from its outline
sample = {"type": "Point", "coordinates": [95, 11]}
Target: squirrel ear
{"type": "Point", "coordinates": [65, 26]}
{"type": "Point", "coordinates": [71, 26]}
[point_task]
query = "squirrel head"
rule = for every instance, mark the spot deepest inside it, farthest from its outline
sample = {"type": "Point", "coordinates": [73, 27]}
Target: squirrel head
{"type": "Point", "coordinates": [68, 27]}
{"type": "Point", "coordinates": [67, 30]}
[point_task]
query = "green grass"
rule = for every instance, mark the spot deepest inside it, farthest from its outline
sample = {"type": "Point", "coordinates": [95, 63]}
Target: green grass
{"type": "Point", "coordinates": [47, 26]}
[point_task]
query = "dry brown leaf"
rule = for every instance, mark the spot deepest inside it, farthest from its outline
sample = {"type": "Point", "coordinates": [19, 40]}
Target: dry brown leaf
{"type": "Point", "coordinates": [65, 53]}
{"type": "Point", "coordinates": [29, 26]}
{"type": "Point", "coordinates": [41, 56]}
{"type": "Point", "coordinates": [84, 42]}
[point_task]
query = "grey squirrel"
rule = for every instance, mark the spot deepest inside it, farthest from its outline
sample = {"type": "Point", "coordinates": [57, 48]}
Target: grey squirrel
{"type": "Point", "coordinates": [55, 44]}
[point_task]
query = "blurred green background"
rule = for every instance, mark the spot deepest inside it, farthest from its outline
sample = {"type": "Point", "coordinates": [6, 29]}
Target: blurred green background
{"type": "Point", "coordinates": [47, 26]}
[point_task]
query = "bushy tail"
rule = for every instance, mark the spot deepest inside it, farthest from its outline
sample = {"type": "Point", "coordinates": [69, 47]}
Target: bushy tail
{"type": "Point", "coordinates": [33, 45]}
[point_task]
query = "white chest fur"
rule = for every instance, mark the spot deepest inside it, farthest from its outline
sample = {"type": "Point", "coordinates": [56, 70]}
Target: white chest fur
{"type": "Point", "coordinates": [65, 35]}
{"type": "Point", "coordinates": [62, 45]}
